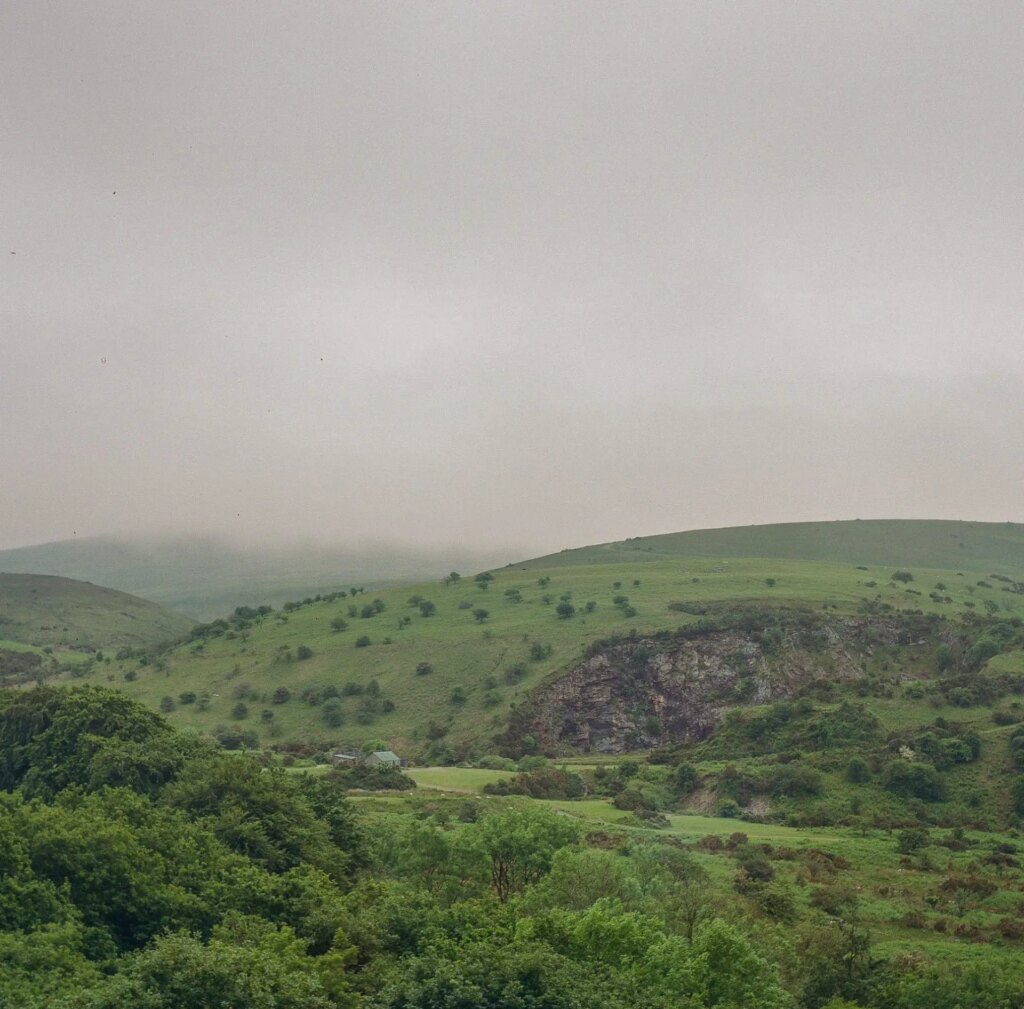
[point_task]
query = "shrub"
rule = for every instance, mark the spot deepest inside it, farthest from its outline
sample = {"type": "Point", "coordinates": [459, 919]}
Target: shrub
{"type": "Point", "coordinates": [424, 668]}
{"type": "Point", "coordinates": [240, 711]}
{"type": "Point", "coordinates": [901, 576]}
{"type": "Point", "coordinates": [363, 641]}
{"type": "Point", "coordinates": [480, 615]}
{"type": "Point", "coordinates": [728, 808]}
{"type": "Point", "coordinates": [909, 841]}
{"type": "Point", "coordinates": [166, 704]}
{"type": "Point", "coordinates": [685, 778]}
{"type": "Point", "coordinates": [187, 697]}
{"type": "Point", "coordinates": [565, 610]}
{"type": "Point", "coordinates": [303, 652]}
{"type": "Point", "coordinates": [793, 781]}
{"type": "Point", "coordinates": [857, 771]}
{"type": "Point", "coordinates": [515, 673]}
{"type": "Point", "coordinates": [912, 779]}
{"type": "Point", "coordinates": [544, 783]}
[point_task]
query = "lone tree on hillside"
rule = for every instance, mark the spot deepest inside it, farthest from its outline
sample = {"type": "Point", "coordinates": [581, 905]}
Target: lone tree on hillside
{"type": "Point", "coordinates": [427, 608]}
{"type": "Point", "coordinates": [480, 615]}
{"type": "Point", "coordinates": [484, 579]}
{"type": "Point", "coordinates": [453, 578]}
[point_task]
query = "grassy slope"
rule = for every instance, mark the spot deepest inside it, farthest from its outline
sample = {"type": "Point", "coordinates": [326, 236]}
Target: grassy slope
{"type": "Point", "coordinates": [41, 610]}
{"type": "Point", "coordinates": [464, 653]}
{"type": "Point", "coordinates": [985, 547]}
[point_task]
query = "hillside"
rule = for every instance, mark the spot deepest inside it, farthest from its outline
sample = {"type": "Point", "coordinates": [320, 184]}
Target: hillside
{"type": "Point", "coordinates": [46, 611]}
{"type": "Point", "coordinates": [959, 546]}
{"type": "Point", "coordinates": [206, 577]}
{"type": "Point", "coordinates": [472, 672]}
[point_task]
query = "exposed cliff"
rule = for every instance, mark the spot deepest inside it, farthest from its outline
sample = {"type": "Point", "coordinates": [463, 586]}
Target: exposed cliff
{"type": "Point", "coordinates": [645, 692]}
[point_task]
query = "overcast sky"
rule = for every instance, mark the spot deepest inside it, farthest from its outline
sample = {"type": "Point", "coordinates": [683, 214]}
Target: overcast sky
{"type": "Point", "coordinates": [528, 274]}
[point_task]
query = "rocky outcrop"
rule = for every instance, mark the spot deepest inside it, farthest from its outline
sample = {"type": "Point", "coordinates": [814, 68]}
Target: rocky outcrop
{"type": "Point", "coordinates": [652, 691]}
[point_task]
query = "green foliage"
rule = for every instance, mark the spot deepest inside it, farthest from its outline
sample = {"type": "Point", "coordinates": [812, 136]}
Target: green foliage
{"type": "Point", "coordinates": [544, 783]}
{"type": "Point", "coordinates": [857, 771]}
{"type": "Point", "coordinates": [913, 779]}
{"type": "Point", "coordinates": [520, 845]}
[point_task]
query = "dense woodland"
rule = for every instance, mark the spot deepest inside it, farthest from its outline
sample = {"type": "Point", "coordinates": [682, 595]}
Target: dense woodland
{"type": "Point", "coordinates": [141, 867]}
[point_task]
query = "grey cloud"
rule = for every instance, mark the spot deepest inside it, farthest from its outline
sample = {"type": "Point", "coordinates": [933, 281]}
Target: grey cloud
{"type": "Point", "coordinates": [534, 274]}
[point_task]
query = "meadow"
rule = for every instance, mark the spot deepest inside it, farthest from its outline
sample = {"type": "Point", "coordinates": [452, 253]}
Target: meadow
{"type": "Point", "coordinates": [479, 669]}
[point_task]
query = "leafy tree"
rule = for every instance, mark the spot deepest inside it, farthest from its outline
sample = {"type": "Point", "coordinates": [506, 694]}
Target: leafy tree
{"type": "Point", "coordinates": [303, 652]}
{"type": "Point", "coordinates": [480, 615]}
{"type": "Point", "coordinates": [247, 964]}
{"type": "Point", "coordinates": [281, 695]}
{"type": "Point", "coordinates": [49, 739]}
{"type": "Point", "coordinates": [520, 845]}
{"type": "Point", "coordinates": [240, 711]}
{"type": "Point", "coordinates": [363, 641]}
{"type": "Point", "coordinates": [339, 624]}
{"type": "Point", "coordinates": [565, 610]}
{"type": "Point", "coordinates": [484, 579]}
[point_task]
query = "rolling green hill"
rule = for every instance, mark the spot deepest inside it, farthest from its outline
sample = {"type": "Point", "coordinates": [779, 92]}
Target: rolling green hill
{"type": "Point", "coordinates": [479, 670]}
{"type": "Point", "coordinates": [45, 611]}
{"type": "Point", "coordinates": [960, 546]}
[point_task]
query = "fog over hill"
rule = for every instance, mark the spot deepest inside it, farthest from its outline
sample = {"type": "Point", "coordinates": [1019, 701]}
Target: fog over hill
{"type": "Point", "coordinates": [207, 576]}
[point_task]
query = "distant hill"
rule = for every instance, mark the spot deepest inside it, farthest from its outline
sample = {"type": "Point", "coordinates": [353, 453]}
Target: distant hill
{"type": "Point", "coordinates": [989, 547]}
{"type": "Point", "coordinates": [206, 577]}
{"type": "Point", "coordinates": [444, 664]}
{"type": "Point", "coordinates": [43, 610]}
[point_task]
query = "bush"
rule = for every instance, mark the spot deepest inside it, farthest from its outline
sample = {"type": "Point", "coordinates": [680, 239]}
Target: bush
{"type": "Point", "coordinates": [685, 778]}
{"type": "Point", "coordinates": [544, 783]}
{"type": "Point", "coordinates": [912, 779]}
{"type": "Point", "coordinates": [857, 771]}
{"type": "Point", "coordinates": [303, 652]}
{"type": "Point", "coordinates": [901, 576]}
{"type": "Point", "coordinates": [728, 808]}
{"type": "Point", "coordinates": [565, 610]}
{"type": "Point", "coordinates": [240, 711]}
{"type": "Point", "coordinates": [909, 841]}
{"type": "Point", "coordinates": [794, 781]}
{"type": "Point", "coordinates": [363, 641]}
{"type": "Point", "coordinates": [424, 668]}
